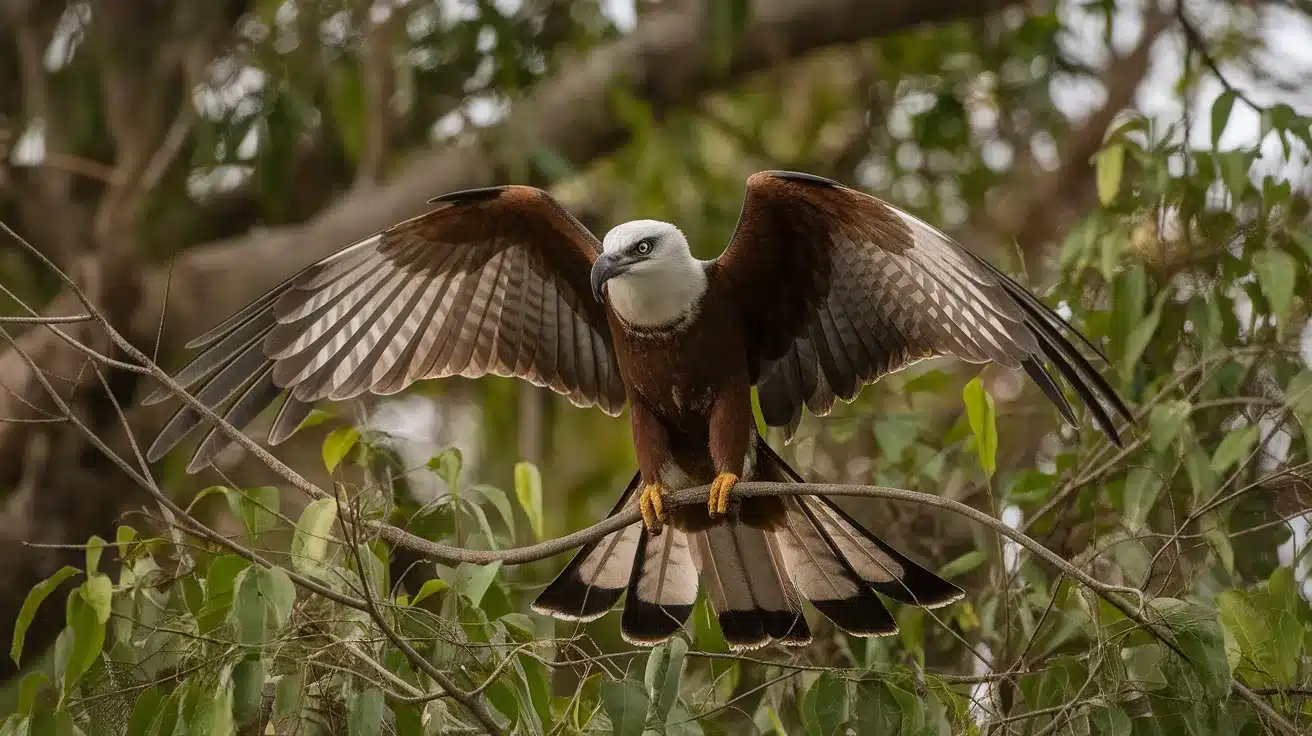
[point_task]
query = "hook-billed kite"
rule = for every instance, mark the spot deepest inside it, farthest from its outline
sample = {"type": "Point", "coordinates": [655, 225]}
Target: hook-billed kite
{"type": "Point", "coordinates": [822, 290]}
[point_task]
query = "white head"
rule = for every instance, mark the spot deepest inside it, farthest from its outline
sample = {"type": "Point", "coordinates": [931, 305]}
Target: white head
{"type": "Point", "coordinates": [649, 272]}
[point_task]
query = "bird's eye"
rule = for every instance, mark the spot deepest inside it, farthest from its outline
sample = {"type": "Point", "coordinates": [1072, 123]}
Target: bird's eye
{"type": "Point", "coordinates": [643, 247]}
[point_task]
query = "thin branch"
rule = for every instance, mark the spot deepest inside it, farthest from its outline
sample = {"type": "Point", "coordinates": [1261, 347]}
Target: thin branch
{"type": "Point", "coordinates": [468, 700]}
{"type": "Point", "coordinates": [1264, 709]}
{"type": "Point", "coordinates": [1197, 44]}
{"type": "Point", "coordinates": [42, 320]}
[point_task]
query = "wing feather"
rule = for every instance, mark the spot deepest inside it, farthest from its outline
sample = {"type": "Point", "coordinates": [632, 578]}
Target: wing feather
{"type": "Point", "coordinates": [492, 281]}
{"type": "Point", "coordinates": [860, 289]}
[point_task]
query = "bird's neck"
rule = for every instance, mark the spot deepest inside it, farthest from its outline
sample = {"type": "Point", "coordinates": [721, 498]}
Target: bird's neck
{"type": "Point", "coordinates": [662, 295]}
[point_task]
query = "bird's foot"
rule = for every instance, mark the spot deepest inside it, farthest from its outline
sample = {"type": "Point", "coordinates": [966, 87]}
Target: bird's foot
{"type": "Point", "coordinates": [651, 504]}
{"type": "Point", "coordinates": [718, 501]}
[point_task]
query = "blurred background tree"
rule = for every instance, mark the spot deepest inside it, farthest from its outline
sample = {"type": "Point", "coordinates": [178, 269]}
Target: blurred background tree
{"type": "Point", "coordinates": [1140, 165]}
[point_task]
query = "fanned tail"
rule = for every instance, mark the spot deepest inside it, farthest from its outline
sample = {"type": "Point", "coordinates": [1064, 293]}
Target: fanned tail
{"type": "Point", "coordinates": [757, 567]}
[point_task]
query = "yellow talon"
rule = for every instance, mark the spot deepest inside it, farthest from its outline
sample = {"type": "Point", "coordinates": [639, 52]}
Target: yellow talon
{"type": "Point", "coordinates": [718, 502]}
{"type": "Point", "coordinates": [651, 503]}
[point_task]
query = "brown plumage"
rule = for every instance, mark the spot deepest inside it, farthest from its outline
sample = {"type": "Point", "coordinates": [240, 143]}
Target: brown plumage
{"type": "Point", "coordinates": [822, 290]}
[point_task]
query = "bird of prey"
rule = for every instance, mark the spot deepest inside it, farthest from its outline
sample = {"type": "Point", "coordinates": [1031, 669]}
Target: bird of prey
{"type": "Point", "coordinates": [821, 290]}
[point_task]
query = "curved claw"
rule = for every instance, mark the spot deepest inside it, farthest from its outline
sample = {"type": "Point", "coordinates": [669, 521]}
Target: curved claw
{"type": "Point", "coordinates": [718, 501]}
{"type": "Point", "coordinates": [651, 504]}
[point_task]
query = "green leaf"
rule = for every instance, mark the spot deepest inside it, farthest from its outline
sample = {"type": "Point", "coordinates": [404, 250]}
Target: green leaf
{"type": "Point", "coordinates": [1109, 721]}
{"type": "Point", "coordinates": [248, 611]}
{"type": "Point", "coordinates": [1165, 423]}
{"type": "Point", "coordinates": [95, 547]}
{"type": "Point", "coordinates": [881, 707]}
{"type": "Point", "coordinates": [979, 409]}
{"type": "Point", "coordinates": [1141, 334]}
{"type": "Point", "coordinates": [289, 697]}
{"type": "Point", "coordinates": [166, 718]}
{"type": "Point", "coordinates": [497, 497]}
{"type": "Point", "coordinates": [1234, 167]}
{"type": "Point", "coordinates": [1221, 114]}
{"type": "Point", "coordinates": [279, 593]}
{"type": "Point", "coordinates": [99, 593]}
{"type": "Point", "coordinates": [430, 587]}
{"type": "Point", "coordinates": [1056, 684]}
{"type": "Point", "coordinates": [88, 640]}
{"type": "Point", "coordinates": [257, 508]}
{"type": "Point", "coordinates": [1266, 631]}
{"type": "Point", "coordinates": [336, 446]}
{"type": "Point", "coordinates": [144, 712]}
{"type": "Point", "coordinates": [371, 559]}
{"type": "Point", "coordinates": [248, 690]}
{"type": "Point", "coordinates": [1201, 476]}
{"type": "Point", "coordinates": [193, 594]}
{"type": "Point", "coordinates": [472, 581]}
{"type": "Point", "coordinates": [1142, 485]}
{"type": "Point", "coordinates": [310, 542]}
{"type": "Point", "coordinates": [262, 604]}
{"type": "Point", "coordinates": [1298, 393]}
{"type": "Point", "coordinates": [35, 597]}
{"type": "Point", "coordinates": [625, 702]}
{"type": "Point", "coordinates": [447, 466]}
{"type": "Point", "coordinates": [366, 717]}
{"type": "Point", "coordinates": [1199, 635]}
{"type": "Point", "coordinates": [220, 581]}
{"type": "Point", "coordinates": [32, 685]}
{"type": "Point", "coordinates": [824, 705]}
{"type": "Point", "coordinates": [894, 435]}
{"type": "Point", "coordinates": [1110, 165]}
{"type": "Point", "coordinates": [213, 714]}
{"type": "Point", "coordinates": [778, 727]}
{"type": "Point", "coordinates": [962, 565]}
{"type": "Point", "coordinates": [124, 537]}
{"type": "Point", "coordinates": [409, 719]}
{"type": "Point", "coordinates": [664, 672]}
{"type": "Point", "coordinates": [1218, 538]}
{"type": "Point", "coordinates": [1277, 272]}
{"type": "Point", "coordinates": [932, 381]}
{"type": "Point", "coordinates": [1234, 447]}
{"type": "Point", "coordinates": [528, 489]}
{"type": "Point", "coordinates": [316, 417]}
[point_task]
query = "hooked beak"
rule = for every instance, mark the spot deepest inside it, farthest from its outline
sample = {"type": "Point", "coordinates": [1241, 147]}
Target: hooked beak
{"type": "Point", "coordinates": [607, 267]}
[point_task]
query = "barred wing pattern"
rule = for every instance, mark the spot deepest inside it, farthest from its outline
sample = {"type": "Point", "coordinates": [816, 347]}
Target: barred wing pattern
{"type": "Point", "coordinates": [865, 289]}
{"type": "Point", "coordinates": [493, 281]}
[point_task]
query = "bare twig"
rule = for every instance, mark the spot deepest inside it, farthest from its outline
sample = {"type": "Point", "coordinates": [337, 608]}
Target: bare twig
{"type": "Point", "coordinates": [469, 700]}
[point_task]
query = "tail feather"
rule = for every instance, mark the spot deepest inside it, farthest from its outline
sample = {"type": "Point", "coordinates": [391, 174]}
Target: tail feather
{"type": "Point", "coordinates": [851, 550]}
{"type": "Point", "coordinates": [883, 568]}
{"type": "Point", "coordinates": [825, 578]}
{"type": "Point", "coordinates": [598, 574]}
{"type": "Point", "coordinates": [754, 599]}
{"type": "Point", "coordinates": [662, 588]}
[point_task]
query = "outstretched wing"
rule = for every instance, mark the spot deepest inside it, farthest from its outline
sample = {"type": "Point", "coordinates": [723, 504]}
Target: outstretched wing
{"type": "Point", "coordinates": [838, 288]}
{"type": "Point", "coordinates": [493, 281]}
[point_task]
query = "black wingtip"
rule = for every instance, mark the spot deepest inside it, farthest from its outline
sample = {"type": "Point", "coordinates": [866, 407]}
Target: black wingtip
{"type": "Point", "coordinates": [481, 194]}
{"type": "Point", "coordinates": [1040, 376]}
{"type": "Point", "coordinates": [802, 177]}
